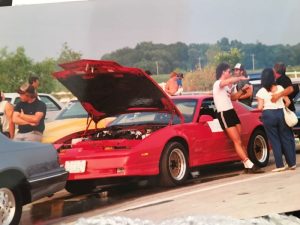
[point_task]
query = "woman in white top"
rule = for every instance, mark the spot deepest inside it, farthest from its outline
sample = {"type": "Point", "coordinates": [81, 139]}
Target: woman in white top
{"type": "Point", "coordinates": [223, 94]}
{"type": "Point", "coordinates": [279, 134]}
{"type": "Point", "coordinates": [6, 111]}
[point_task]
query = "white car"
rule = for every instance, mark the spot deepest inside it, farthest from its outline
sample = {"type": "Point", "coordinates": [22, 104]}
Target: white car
{"type": "Point", "coordinates": [54, 106]}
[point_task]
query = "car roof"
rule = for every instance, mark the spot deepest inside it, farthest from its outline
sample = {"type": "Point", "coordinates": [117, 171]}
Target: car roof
{"type": "Point", "coordinates": [197, 97]}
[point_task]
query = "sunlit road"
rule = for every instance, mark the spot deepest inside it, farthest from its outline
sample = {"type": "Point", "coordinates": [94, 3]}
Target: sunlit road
{"type": "Point", "coordinates": [64, 207]}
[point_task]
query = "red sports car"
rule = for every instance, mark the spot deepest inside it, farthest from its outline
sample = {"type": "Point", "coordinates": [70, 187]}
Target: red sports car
{"type": "Point", "coordinates": [153, 134]}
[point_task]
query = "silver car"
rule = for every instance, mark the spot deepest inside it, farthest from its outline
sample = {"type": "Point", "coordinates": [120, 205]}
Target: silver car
{"type": "Point", "coordinates": [28, 171]}
{"type": "Point", "coordinates": [54, 106]}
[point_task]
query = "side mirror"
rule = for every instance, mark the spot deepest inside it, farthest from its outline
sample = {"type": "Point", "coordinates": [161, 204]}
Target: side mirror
{"type": "Point", "coordinates": [205, 118]}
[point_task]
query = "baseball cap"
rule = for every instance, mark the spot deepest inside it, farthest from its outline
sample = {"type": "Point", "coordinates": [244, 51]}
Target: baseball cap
{"type": "Point", "coordinates": [239, 66]}
{"type": "Point", "coordinates": [26, 88]}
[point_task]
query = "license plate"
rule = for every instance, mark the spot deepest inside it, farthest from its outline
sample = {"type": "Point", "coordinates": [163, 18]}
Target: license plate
{"type": "Point", "coordinates": [77, 166]}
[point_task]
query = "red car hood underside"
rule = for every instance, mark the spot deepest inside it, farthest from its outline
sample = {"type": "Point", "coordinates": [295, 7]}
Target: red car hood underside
{"type": "Point", "coordinates": [106, 88]}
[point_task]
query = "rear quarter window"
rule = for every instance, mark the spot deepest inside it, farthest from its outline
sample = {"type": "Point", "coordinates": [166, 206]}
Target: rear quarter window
{"type": "Point", "coordinates": [50, 103]}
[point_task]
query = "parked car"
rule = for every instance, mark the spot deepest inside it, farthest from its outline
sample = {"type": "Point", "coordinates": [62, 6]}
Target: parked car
{"type": "Point", "coordinates": [54, 106]}
{"type": "Point", "coordinates": [24, 178]}
{"type": "Point", "coordinates": [152, 135]}
{"type": "Point", "coordinates": [296, 129]}
{"type": "Point", "coordinates": [73, 118]}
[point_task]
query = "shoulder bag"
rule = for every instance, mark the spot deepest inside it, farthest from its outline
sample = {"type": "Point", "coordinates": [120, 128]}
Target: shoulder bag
{"type": "Point", "coordinates": [290, 117]}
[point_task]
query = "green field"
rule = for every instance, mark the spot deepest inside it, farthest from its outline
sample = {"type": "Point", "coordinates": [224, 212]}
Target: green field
{"type": "Point", "coordinates": [160, 78]}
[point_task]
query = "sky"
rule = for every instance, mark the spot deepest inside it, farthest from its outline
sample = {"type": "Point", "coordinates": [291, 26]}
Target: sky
{"type": "Point", "coordinates": [96, 27]}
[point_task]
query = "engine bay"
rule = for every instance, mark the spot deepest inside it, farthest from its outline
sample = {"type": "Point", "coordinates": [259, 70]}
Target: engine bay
{"type": "Point", "coordinates": [114, 133]}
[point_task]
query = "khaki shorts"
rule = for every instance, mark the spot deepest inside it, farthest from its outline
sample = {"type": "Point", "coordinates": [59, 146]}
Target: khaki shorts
{"type": "Point", "coordinates": [29, 136]}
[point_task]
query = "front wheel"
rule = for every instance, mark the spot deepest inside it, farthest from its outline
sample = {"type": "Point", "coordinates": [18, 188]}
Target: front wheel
{"type": "Point", "coordinates": [10, 206]}
{"type": "Point", "coordinates": [258, 149]}
{"type": "Point", "coordinates": [173, 165]}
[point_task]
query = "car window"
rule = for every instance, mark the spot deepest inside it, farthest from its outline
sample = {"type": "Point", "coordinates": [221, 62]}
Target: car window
{"type": "Point", "coordinates": [208, 108]}
{"type": "Point", "coordinates": [8, 99]}
{"type": "Point", "coordinates": [187, 107]}
{"type": "Point", "coordinates": [50, 104]}
{"type": "Point", "coordinates": [74, 109]}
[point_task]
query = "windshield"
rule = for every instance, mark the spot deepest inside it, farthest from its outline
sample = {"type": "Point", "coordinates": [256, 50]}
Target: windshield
{"type": "Point", "coordinates": [74, 109]}
{"type": "Point", "coordinates": [186, 107]}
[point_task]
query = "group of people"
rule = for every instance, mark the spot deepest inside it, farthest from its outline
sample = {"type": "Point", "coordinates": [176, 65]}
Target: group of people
{"type": "Point", "coordinates": [276, 93]}
{"type": "Point", "coordinates": [28, 114]}
{"type": "Point", "coordinates": [174, 84]}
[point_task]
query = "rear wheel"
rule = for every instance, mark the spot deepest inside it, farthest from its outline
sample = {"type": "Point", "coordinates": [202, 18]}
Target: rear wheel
{"type": "Point", "coordinates": [80, 187]}
{"type": "Point", "coordinates": [173, 165]}
{"type": "Point", "coordinates": [10, 206]}
{"type": "Point", "coordinates": [258, 150]}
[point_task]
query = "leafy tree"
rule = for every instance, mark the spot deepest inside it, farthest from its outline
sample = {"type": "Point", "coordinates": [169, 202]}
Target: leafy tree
{"type": "Point", "coordinates": [232, 57]}
{"type": "Point", "coordinates": [14, 69]}
{"type": "Point", "coordinates": [44, 71]}
{"type": "Point", "coordinates": [224, 44]}
{"type": "Point", "coordinates": [67, 54]}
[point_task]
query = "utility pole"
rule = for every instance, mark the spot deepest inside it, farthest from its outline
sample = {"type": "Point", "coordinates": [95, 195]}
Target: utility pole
{"type": "Point", "coordinates": [156, 68]}
{"type": "Point", "coordinates": [253, 67]}
{"type": "Point", "coordinates": [199, 62]}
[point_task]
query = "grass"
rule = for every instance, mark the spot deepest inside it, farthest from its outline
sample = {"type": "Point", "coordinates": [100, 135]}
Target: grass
{"type": "Point", "coordinates": [160, 78]}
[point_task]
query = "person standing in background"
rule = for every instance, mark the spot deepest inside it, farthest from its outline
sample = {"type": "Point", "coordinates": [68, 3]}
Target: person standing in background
{"type": "Point", "coordinates": [245, 98]}
{"type": "Point", "coordinates": [283, 80]}
{"type": "Point", "coordinates": [179, 82]}
{"type": "Point", "coordinates": [172, 86]}
{"type": "Point", "coordinates": [6, 113]}
{"type": "Point", "coordinates": [34, 81]}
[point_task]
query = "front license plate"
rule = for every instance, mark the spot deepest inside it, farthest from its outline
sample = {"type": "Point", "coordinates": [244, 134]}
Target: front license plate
{"type": "Point", "coordinates": [77, 166]}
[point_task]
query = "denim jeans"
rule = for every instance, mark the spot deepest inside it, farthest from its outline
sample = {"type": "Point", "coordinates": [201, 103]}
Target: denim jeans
{"type": "Point", "coordinates": [280, 136]}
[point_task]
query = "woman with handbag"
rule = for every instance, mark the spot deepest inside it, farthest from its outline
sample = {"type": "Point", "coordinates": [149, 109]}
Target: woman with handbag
{"type": "Point", "coordinates": [278, 132]}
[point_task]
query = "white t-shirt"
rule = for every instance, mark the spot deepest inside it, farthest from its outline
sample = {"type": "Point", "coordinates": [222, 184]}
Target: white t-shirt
{"type": "Point", "coordinates": [266, 96]}
{"type": "Point", "coordinates": [222, 97]}
{"type": "Point", "coordinates": [4, 120]}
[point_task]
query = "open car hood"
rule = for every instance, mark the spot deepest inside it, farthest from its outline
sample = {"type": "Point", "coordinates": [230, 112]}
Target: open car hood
{"type": "Point", "coordinates": [106, 88]}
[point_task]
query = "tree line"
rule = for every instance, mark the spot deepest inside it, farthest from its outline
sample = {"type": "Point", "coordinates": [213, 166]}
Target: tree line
{"type": "Point", "coordinates": [17, 66]}
{"type": "Point", "coordinates": [163, 58]}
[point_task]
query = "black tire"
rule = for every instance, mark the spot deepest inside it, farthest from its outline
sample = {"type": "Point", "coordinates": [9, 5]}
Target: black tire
{"type": "Point", "coordinates": [258, 148]}
{"type": "Point", "coordinates": [174, 167]}
{"type": "Point", "coordinates": [10, 205]}
{"type": "Point", "coordinates": [80, 187]}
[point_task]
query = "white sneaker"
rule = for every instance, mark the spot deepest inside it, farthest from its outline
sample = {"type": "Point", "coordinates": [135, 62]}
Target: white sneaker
{"type": "Point", "coordinates": [280, 169]}
{"type": "Point", "coordinates": [292, 167]}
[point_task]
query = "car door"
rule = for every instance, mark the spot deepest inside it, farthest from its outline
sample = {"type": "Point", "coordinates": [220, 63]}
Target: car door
{"type": "Point", "coordinates": [212, 144]}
